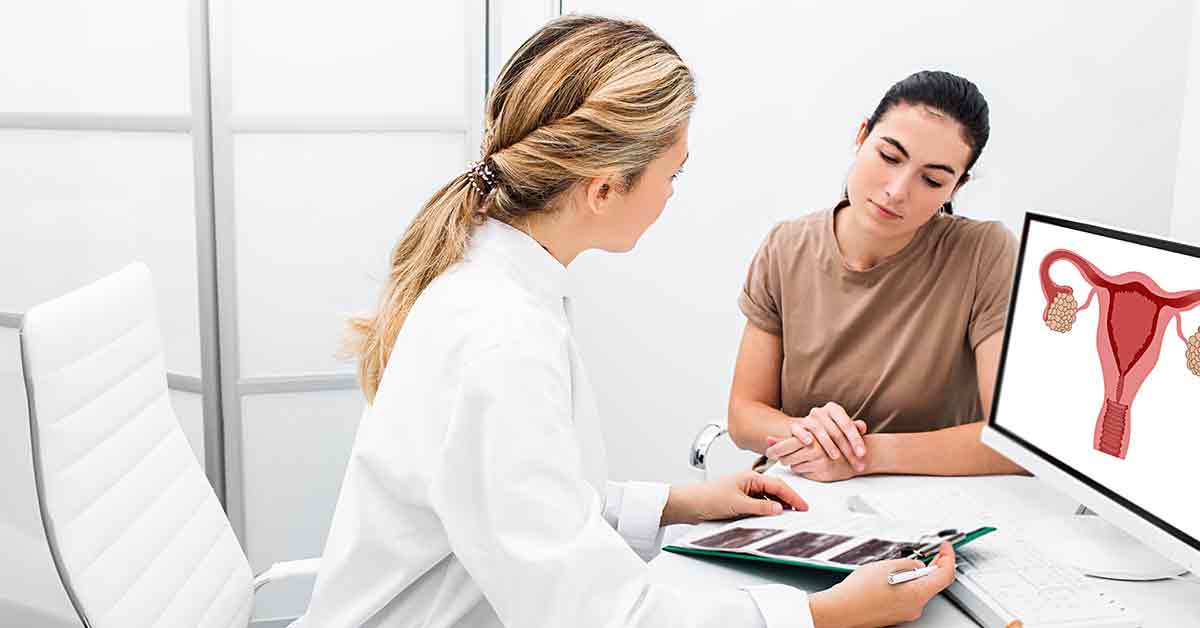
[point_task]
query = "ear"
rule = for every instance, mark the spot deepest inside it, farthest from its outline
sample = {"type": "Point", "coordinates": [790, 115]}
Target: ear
{"type": "Point", "coordinates": [861, 136]}
{"type": "Point", "coordinates": [599, 193]}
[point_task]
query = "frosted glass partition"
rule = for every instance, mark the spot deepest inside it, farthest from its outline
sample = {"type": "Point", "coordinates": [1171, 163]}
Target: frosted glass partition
{"type": "Point", "coordinates": [189, 410]}
{"type": "Point", "coordinates": [510, 24]}
{"type": "Point", "coordinates": [116, 56]}
{"type": "Point", "coordinates": [81, 205]}
{"type": "Point", "coordinates": [373, 57]}
{"type": "Point", "coordinates": [295, 449]}
{"type": "Point", "coordinates": [317, 217]}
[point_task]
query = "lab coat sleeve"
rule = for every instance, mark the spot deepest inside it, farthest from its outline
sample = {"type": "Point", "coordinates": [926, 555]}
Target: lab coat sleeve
{"type": "Point", "coordinates": [634, 510]}
{"type": "Point", "coordinates": [510, 491]}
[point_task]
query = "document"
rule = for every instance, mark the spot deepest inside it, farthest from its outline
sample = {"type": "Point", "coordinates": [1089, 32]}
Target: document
{"type": "Point", "coordinates": [839, 542]}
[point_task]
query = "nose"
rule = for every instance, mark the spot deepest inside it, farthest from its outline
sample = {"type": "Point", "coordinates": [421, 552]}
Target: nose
{"type": "Point", "coordinates": [897, 188]}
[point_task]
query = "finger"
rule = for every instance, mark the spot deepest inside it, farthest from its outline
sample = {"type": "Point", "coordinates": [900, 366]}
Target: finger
{"type": "Point", "coordinates": [792, 458]}
{"type": "Point", "coordinates": [945, 573]}
{"type": "Point", "coordinates": [844, 447]}
{"type": "Point", "coordinates": [771, 440]}
{"type": "Point", "coordinates": [821, 425]}
{"type": "Point", "coordinates": [804, 468]}
{"type": "Point", "coordinates": [861, 425]}
{"type": "Point", "coordinates": [853, 438]}
{"type": "Point", "coordinates": [758, 506]}
{"type": "Point", "coordinates": [783, 491]}
{"type": "Point", "coordinates": [946, 556]}
{"type": "Point", "coordinates": [782, 448]}
{"type": "Point", "coordinates": [799, 432]}
{"type": "Point", "coordinates": [816, 424]}
{"type": "Point", "coordinates": [804, 454]}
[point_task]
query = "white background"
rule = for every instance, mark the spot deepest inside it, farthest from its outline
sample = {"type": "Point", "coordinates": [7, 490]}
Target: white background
{"type": "Point", "coordinates": [1089, 104]}
{"type": "Point", "coordinates": [1185, 215]}
{"type": "Point", "coordinates": [1053, 387]}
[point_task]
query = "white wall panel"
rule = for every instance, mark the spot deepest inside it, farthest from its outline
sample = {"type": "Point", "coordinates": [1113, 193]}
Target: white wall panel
{"type": "Point", "coordinates": [81, 56]}
{"type": "Point", "coordinates": [81, 205]}
{"type": "Point", "coordinates": [296, 448]}
{"type": "Point", "coordinates": [346, 58]}
{"type": "Point", "coordinates": [317, 216]}
{"type": "Point", "coordinates": [1085, 102]}
{"type": "Point", "coordinates": [1185, 216]}
{"type": "Point", "coordinates": [189, 410]}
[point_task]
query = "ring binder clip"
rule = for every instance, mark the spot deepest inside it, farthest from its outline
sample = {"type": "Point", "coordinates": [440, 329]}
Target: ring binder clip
{"type": "Point", "coordinates": [930, 548]}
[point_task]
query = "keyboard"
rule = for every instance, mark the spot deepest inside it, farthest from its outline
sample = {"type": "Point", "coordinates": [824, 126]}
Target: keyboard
{"type": "Point", "coordinates": [1004, 581]}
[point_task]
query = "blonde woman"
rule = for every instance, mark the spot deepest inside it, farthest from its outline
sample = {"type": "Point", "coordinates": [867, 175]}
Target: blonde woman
{"type": "Point", "coordinates": [475, 494]}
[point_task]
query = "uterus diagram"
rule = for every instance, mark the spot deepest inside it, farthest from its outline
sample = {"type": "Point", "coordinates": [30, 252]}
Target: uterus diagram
{"type": "Point", "coordinates": [1134, 314]}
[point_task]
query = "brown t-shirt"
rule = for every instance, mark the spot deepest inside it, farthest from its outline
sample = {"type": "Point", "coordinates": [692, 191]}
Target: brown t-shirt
{"type": "Point", "coordinates": [895, 344]}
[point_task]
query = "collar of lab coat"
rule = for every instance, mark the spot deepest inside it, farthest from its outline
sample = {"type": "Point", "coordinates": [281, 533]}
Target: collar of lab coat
{"type": "Point", "coordinates": [529, 263]}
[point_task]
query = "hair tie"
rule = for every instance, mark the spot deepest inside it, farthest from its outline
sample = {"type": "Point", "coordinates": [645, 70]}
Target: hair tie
{"type": "Point", "coordinates": [481, 171]}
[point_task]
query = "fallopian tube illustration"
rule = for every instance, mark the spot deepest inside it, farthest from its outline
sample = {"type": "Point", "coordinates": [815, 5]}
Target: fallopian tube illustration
{"type": "Point", "coordinates": [1134, 313]}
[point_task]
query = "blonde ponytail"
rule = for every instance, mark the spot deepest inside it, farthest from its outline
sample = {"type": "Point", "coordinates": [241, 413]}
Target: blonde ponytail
{"type": "Point", "coordinates": [584, 97]}
{"type": "Point", "coordinates": [435, 240]}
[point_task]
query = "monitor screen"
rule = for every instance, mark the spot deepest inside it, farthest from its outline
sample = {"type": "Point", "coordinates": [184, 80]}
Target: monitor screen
{"type": "Point", "coordinates": [1100, 373]}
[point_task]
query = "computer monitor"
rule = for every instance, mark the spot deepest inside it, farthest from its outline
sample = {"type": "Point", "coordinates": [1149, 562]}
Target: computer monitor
{"type": "Point", "coordinates": [1098, 392]}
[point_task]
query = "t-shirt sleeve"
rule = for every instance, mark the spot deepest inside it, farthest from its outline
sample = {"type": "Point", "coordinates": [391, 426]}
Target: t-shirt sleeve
{"type": "Point", "coordinates": [760, 298]}
{"type": "Point", "coordinates": [996, 261]}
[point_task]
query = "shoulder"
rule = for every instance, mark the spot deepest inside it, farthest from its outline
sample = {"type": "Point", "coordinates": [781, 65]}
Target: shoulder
{"type": "Point", "coordinates": [796, 230]}
{"type": "Point", "coordinates": [488, 308]}
{"type": "Point", "coordinates": [983, 240]}
{"type": "Point", "coordinates": [795, 234]}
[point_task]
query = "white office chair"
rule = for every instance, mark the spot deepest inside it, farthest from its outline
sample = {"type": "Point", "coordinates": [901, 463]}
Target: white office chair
{"type": "Point", "coordinates": [134, 528]}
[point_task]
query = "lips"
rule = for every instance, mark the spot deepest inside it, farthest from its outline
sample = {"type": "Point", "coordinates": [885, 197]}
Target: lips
{"type": "Point", "coordinates": [887, 212]}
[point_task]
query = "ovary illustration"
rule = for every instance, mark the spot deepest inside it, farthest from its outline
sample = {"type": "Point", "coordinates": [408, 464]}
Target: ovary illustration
{"type": "Point", "coordinates": [1134, 313]}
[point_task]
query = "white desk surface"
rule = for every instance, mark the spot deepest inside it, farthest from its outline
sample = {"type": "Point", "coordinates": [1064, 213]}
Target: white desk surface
{"type": "Point", "coordinates": [1164, 604]}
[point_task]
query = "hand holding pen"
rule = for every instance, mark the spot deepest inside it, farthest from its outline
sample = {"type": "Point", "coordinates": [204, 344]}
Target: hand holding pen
{"type": "Point", "coordinates": [875, 601]}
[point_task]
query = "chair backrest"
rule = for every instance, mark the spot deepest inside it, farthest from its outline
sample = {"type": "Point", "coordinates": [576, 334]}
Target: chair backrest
{"type": "Point", "coordinates": [136, 532]}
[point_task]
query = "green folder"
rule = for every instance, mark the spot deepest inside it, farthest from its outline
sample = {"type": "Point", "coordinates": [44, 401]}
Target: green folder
{"type": "Point", "coordinates": [801, 562]}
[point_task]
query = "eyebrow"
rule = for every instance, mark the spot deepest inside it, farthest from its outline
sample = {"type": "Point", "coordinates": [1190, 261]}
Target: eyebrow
{"type": "Point", "coordinates": [900, 147]}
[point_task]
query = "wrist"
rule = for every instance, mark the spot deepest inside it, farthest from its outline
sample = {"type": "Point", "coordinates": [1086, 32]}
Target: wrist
{"type": "Point", "coordinates": [819, 607]}
{"type": "Point", "coordinates": [675, 511]}
{"type": "Point", "coordinates": [880, 454]}
{"type": "Point", "coordinates": [830, 609]}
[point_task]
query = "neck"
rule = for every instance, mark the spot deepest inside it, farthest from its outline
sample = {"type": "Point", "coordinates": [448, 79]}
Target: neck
{"type": "Point", "coordinates": [861, 248]}
{"type": "Point", "coordinates": [556, 234]}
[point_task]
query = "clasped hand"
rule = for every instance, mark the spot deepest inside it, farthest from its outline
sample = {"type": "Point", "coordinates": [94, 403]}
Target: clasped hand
{"type": "Point", "coordinates": [826, 446]}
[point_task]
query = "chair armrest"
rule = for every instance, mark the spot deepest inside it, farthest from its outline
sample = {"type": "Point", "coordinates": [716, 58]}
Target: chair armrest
{"type": "Point", "coordinates": [698, 454]}
{"type": "Point", "coordinates": [287, 569]}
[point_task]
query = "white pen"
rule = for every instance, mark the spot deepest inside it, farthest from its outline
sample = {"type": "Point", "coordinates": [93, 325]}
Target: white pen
{"type": "Point", "coordinates": [896, 577]}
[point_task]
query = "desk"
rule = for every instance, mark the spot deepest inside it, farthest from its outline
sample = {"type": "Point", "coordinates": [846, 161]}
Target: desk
{"type": "Point", "coordinates": [1169, 604]}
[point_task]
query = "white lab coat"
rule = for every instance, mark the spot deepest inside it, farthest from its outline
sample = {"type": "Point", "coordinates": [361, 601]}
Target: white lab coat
{"type": "Point", "coordinates": [475, 494]}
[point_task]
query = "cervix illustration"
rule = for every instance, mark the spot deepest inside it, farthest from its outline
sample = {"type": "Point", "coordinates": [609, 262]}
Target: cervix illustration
{"type": "Point", "coordinates": [1134, 313]}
